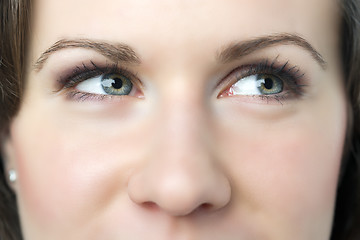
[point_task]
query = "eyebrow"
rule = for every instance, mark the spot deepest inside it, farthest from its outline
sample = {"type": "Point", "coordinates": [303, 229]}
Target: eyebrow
{"type": "Point", "coordinates": [123, 53]}
{"type": "Point", "coordinates": [117, 52]}
{"type": "Point", "coordinates": [237, 50]}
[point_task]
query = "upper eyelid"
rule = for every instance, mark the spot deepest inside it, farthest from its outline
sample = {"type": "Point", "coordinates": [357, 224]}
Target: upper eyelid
{"type": "Point", "coordinates": [263, 67]}
{"type": "Point", "coordinates": [81, 76]}
{"type": "Point", "coordinates": [246, 70]}
{"type": "Point", "coordinates": [285, 71]}
{"type": "Point", "coordinates": [84, 72]}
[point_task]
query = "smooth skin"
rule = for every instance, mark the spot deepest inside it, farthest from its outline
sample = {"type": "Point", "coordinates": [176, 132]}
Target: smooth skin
{"type": "Point", "coordinates": [179, 159]}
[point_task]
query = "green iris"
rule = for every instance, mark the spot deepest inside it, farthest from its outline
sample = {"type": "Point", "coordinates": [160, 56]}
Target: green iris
{"type": "Point", "coordinates": [116, 84]}
{"type": "Point", "coordinates": [270, 84]}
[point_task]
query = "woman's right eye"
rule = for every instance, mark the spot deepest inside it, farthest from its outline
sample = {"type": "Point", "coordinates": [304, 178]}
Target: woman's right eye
{"type": "Point", "coordinates": [107, 84]}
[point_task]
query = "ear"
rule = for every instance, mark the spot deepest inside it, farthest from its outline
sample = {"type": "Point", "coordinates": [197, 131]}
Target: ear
{"type": "Point", "coordinates": [8, 158]}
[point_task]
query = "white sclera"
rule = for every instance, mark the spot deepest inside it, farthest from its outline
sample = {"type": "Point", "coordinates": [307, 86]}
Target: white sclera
{"type": "Point", "coordinates": [248, 86]}
{"type": "Point", "coordinates": [94, 85]}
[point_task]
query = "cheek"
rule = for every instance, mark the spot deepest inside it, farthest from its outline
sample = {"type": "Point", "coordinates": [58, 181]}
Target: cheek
{"type": "Point", "coordinates": [285, 169]}
{"type": "Point", "coordinates": [297, 170]}
{"type": "Point", "coordinates": [65, 179]}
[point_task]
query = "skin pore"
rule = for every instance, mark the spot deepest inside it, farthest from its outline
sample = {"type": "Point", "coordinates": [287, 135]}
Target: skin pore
{"type": "Point", "coordinates": [193, 151]}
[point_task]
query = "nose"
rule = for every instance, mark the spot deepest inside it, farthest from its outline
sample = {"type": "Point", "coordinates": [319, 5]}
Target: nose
{"type": "Point", "coordinates": [182, 175]}
{"type": "Point", "coordinates": [179, 188]}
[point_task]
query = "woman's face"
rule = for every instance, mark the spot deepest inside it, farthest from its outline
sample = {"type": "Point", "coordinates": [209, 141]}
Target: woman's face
{"type": "Point", "coordinates": [180, 120]}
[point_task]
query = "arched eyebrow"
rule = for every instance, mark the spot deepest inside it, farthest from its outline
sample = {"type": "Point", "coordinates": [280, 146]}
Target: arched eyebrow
{"type": "Point", "coordinates": [117, 52]}
{"type": "Point", "coordinates": [123, 53]}
{"type": "Point", "coordinates": [238, 50]}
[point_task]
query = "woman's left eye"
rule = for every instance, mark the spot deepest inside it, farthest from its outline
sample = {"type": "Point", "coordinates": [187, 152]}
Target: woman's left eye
{"type": "Point", "coordinates": [257, 84]}
{"type": "Point", "coordinates": [106, 84]}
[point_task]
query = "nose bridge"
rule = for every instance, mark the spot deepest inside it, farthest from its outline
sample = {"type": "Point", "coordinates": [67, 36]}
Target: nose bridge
{"type": "Point", "coordinates": [181, 175]}
{"type": "Point", "coordinates": [184, 122]}
{"type": "Point", "coordinates": [183, 153]}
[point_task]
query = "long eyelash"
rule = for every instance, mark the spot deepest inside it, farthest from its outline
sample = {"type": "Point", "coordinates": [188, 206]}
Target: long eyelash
{"type": "Point", "coordinates": [290, 75]}
{"type": "Point", "coordinates": [84, 72]}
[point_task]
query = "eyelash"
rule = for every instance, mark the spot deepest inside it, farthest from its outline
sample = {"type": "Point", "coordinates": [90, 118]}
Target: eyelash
{"type": "Point", "coordinates": [290, 75]}
{"type": "Point", "coordinates": [85, 72]}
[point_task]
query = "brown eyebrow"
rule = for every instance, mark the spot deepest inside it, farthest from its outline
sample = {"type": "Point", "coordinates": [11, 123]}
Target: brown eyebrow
{"type": "Point", "coordinates": [235, 51]}
{"type": "Point", "coordinates": [117, 52]}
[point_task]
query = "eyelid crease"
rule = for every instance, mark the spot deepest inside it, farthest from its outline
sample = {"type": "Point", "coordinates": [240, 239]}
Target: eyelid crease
{"type": "Point", "coordinates": [283, 70]}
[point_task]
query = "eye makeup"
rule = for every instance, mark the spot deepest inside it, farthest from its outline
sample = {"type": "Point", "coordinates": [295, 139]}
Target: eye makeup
{"type": "Point", "coordinates": [86, 71]}
{"type": "Point", "coordinates": [291, 78]}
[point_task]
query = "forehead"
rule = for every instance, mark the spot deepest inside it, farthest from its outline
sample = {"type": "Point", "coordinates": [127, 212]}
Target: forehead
{"type": "Point", "coordinates": [184, 23]}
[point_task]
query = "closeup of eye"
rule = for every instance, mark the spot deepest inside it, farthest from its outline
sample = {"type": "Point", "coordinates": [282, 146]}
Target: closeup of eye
{"type": "Point", "coordinates": [258, 84]}
{"type": "Point", "coordinates": [268, 81]}
{"type": "Point", "coordinates": [93, 82]}
{"type": "Point", "coordinates": [107, 84]}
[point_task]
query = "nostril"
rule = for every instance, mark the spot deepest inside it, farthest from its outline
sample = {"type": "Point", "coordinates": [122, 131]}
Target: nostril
{"type": "Point", "coordinates": [150, 205]}
{"type": "Point", "coordinates": [206, 207]}
{"type": "Point", "coordinates": [181, 191]}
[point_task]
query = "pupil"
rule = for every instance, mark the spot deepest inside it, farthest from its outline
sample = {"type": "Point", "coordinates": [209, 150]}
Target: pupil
{"type": "Point", "coordinates": [268, 83]}
{"type": "Point", "coordinates": [117, 84]}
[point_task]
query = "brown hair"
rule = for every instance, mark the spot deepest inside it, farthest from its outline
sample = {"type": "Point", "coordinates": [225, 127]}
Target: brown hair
{"type": "Point", "coordinates": [14, 24]}
{"type": "Point", "coordinates": [347, 213]}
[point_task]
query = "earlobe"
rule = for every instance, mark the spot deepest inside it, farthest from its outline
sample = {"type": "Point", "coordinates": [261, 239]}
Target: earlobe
{"type": "Point", "coordinates": [8, 158]}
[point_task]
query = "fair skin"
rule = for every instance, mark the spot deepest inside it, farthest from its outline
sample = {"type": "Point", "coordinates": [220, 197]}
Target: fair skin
{"type": "Point", "coordinates": [180, 157]}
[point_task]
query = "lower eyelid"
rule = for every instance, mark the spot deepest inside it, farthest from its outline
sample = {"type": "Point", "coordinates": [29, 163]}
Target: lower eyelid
{"type": "Point", "coordinates": [279, 100]}
{"type": "Point", "coordinates": [76, 96]}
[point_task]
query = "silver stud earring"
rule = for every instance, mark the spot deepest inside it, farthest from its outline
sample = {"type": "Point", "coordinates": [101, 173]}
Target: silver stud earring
{"type": "Point", "coordinates": [12, 175]}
